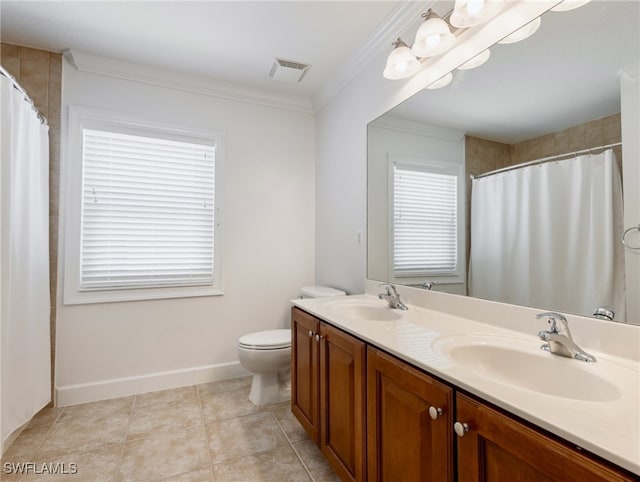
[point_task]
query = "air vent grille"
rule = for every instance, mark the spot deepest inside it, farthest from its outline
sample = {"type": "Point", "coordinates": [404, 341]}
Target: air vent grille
{"type": "Point", "coordinates": [288, 70]}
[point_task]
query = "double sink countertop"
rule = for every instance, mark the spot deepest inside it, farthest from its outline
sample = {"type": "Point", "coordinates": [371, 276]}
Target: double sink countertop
{"type": "Point", "coordinates": [593, 405]}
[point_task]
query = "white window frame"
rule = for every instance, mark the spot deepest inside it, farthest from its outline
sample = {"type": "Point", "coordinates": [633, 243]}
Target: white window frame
{"type": "Point", "coordinates": [81, 118]}
{"type": "Point", "coordinates": [439, 167]}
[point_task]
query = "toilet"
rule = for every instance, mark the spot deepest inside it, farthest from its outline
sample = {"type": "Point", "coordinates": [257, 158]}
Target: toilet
{"type": "Point", "coordinates": [267, 355]}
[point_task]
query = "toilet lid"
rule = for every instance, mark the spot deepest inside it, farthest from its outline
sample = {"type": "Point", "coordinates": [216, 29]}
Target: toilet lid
{"type": "Point", "coordinates": [266, 340]}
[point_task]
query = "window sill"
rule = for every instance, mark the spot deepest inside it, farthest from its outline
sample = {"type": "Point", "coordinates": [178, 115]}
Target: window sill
{"type": "Point", "coordinates": [139, 294]}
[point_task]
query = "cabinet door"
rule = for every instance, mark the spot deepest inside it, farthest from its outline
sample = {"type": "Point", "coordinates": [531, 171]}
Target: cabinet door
{"type": "Point", "coordinates": [304, 371]}
{"type": "Point", "coordinates": [403, 442]}
{"type": "Point", "coordinates": [342, 392]}
{"type": "Point", "coordinates": [498, 448]}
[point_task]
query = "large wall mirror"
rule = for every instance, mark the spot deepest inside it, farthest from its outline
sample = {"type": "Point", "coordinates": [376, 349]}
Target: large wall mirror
{"type": "Point", "coordinates": [544, 231]}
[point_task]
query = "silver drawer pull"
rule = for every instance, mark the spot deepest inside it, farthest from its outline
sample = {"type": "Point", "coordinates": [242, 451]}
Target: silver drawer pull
{"type": "Point", "coordinates": [434, 412]}
{"type": "Point", "coordinates": [461, 428]}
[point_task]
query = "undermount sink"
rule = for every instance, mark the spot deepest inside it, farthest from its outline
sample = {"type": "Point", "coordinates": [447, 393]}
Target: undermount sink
{"type": "Point", "coordinates": [365, 310]}
{"type": "Point", "coordinates": [520, 363]}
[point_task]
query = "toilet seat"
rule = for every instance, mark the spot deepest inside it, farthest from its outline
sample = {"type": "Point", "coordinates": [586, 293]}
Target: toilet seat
{"type": "Point", "coordinates": [266, 340]}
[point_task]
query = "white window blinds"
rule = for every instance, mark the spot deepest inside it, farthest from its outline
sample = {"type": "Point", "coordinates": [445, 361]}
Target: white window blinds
{"type": "Point", "coordinates": [147, 212]}
{"type": "Point", "coordinates": [425, 224]}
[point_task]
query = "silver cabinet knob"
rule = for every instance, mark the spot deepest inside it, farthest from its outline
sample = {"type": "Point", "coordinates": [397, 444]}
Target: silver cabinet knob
{"type": "Point", "coordinates": [461, 428]}
{"type": "Point", "coordinates": [310, 333]}
{"type": "Point", "coordinates": [434, 412]}
{"type": "Point", "coordinates": [317, 337]}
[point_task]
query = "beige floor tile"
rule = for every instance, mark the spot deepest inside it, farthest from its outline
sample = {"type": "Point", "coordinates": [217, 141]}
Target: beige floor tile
{"type": "Point", "coordinates": [99, 465]}
{"type": "Point", "coordinates": [25, 446]}
{"type": "Point", "coordinates": [98, 412]}
{"type": "Point", "coordinates": [45, 417]}
{"type": "Point", "coordinates": [183, 395]}
{"type": "Point", "coordinates": [225, 405]}
{"type": "Point", "coordinates": [278, 405]}
{"type": "Point", "coordinates": [327, 475]}
{"type": "Point", "coordinates": [243, 436]}
{"type": "Point", "coordinates": [314, 461]}
{"type": "Point", "coordinates": [197, 476]}
{"type": "Point", "coordinates": [225, 385]}
{"type": "Point", "coordinates": [7, 474]}
{"type": "Point", "coordinates": [278, 465]}
{"type": "Point", "coordinates": [164, 456]}
{"type": "Point", "coordinates": [290, 425]}
{"type": "Point", "coordinates": [164, 418]}
{"type": "Point", "coordinates": [85, 433]}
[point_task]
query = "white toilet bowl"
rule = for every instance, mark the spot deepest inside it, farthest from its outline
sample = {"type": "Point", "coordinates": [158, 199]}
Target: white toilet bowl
{"type": "Point", "coordinates": [267, 354]}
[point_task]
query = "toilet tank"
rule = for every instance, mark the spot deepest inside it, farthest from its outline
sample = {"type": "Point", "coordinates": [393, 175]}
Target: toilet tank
{"type": "Point", "coordinates": [319, 292]}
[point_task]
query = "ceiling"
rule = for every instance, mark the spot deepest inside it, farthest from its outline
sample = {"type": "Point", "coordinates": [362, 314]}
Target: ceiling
{"type": "Point", "coordinates": [565, 74]}
{"type": "Point", "coordinates": [232, 41]}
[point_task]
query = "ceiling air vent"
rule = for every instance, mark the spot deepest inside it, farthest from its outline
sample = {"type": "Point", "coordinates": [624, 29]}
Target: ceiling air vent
{"type": "Point", "coordinates": [288, 71]}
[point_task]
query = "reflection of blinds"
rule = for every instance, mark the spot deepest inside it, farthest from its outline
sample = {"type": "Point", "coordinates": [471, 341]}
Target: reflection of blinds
{"type": "Point", "coordinates": [147, 212]}
{"type": "Point", "coordinates": [425, 222]}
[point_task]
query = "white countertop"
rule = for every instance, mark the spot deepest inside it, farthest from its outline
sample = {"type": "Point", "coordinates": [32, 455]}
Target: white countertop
{"type": "Point", "coordinates": [608, 427]}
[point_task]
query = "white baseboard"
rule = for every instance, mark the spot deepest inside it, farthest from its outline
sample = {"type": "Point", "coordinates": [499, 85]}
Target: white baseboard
{"type": "Point", "coordinates": [121, 387]}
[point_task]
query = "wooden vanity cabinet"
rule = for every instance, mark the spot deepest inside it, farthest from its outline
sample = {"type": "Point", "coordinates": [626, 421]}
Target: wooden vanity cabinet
{"type": "Point", "coordinates": [305, 372]}
{"type": "Point", "coordinates": [342, 402]}
{"type": "Point", "coordinates": [376, 417]}
{"type": "Point", "coordinates": [328, 392]}
{"type": "Point", "coordinates": [498, 448]}
{"type": "Point", "coordinates": [409, 420]}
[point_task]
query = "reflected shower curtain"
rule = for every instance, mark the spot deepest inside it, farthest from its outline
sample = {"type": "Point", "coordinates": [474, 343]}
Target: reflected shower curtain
{"type": "Point", "coordinates": [25, 373]}
{"type": "Point", "coordinates": [548, 236]}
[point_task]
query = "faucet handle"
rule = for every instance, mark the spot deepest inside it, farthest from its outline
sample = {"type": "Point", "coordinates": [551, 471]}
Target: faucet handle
{"type": "Point", "coordinates": [553, 319]}
{"type": "Point", "coordinates": [389, 289]}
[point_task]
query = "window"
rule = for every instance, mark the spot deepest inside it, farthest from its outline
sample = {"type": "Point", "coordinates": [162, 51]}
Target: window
{"type": "Point", "coordinates": [148, 222]}
{"type": "Point", "coordinates": [425, 218]}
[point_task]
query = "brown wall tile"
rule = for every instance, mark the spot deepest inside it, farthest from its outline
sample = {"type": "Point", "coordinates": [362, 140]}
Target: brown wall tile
{"type": "Point", "coordinates": [36, 55]}
{"type": "Point", "coordinates": [55, 66]}
{"type": "Point", "coordinates": [10, 59]}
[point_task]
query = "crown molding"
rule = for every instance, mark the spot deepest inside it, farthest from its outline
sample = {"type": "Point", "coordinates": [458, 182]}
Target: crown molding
{"type": "Point", "coordinates": [85, 62]}
{"type": "Point", "coordinates": [417, 128]}
{"type": "Point", "coordinates": [403, 16]}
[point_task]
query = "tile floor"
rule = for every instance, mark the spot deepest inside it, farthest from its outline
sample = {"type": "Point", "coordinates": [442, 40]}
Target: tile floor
{"type": "Point", "coordinates": [210, 432]}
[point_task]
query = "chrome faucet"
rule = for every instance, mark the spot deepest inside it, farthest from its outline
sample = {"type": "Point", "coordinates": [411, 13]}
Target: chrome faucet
{"type": "Point", "coordinates": [391, 296]}
{"type": "Point", "coordinates": [559, 339]}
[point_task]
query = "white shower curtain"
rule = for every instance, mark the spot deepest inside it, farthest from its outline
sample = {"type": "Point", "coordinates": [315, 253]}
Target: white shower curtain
{"type": "Point", "coordinates": [25, 375]}
{"type": "Point", "coordinates": [548, 236]}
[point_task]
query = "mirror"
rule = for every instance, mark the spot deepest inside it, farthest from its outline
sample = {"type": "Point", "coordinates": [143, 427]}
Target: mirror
{"type": "Point", "coordinates": [556, 92]}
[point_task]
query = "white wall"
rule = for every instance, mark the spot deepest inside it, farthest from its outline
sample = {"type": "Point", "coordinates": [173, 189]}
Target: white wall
{"type": "Point", "coordinates": [111, 349]}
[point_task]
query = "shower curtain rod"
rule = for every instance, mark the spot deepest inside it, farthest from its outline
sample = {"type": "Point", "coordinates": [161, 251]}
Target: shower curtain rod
{"type": "Point", "coordinates": [20, 89]}
{"type": "Point", "coordinates": [544, 159]}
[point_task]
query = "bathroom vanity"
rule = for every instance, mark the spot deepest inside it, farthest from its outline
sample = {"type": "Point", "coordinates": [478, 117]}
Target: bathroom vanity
{"type": "Point", "coordinates": [386, 396]}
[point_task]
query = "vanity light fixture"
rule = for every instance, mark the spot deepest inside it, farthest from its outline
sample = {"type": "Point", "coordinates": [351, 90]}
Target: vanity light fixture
{"type": "Point", "coordinates": [569, 5]}
{"type": "Point", "coordinates": [522, 33]}
{"type": "Point", "coordinates": [433, 37]}
{"type": "Point", "coordinates": [468, 13]}
{"type": "Point", "coordinates": [476, 61]}
{"type": "Point", "coordinates": [441, 82]}
{"type": "Point", "coordinates": [401, 63]}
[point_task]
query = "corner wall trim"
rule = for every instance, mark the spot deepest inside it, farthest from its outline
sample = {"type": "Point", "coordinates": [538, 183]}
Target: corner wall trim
{"type": "Point", "coordinates": [402, 17]}
{"type": "Point", "coordinates": [67, 395]}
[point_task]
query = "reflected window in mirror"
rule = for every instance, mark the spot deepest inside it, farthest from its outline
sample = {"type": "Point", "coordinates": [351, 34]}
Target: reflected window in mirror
{"type": "Point", "coordinates": [425, 219]}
